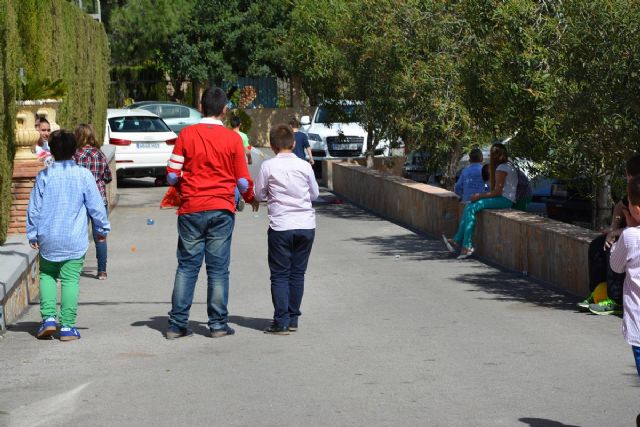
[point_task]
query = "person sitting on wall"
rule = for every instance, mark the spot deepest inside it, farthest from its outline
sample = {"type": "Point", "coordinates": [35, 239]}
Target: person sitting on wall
{"type": "Point", "coordinates": [504, 180]}
{"type": "Point", "coordinates": [600, 273]}
{"type": "Point", "coordinates": [470, 181]}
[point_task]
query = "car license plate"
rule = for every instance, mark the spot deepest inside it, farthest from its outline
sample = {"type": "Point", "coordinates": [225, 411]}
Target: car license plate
{"type": "Point", "coordinates": [148, 145]}
{"type": "Point", "coordinates": [345, 147]}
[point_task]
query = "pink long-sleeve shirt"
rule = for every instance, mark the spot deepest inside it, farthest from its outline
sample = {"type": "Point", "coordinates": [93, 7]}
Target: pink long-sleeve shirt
{"type": "Point", "coordinates": [625, 257]}
{"type": "Point", "coordinates": [288, 185]}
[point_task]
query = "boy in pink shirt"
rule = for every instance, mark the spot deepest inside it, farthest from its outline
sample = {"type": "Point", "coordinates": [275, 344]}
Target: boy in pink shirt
{"type": "Point", "coordinates": [625, 257]}
{"type": "Point", "coordinates": [288, 185]}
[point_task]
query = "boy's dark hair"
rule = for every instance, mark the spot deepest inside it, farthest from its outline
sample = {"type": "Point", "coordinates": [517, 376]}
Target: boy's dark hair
{"type": "Point", "coordinates": [281, 136]}
{"type": "Point", "coordinates": [43, 119]}
{"type": "Point", "coordinates": [294, 123]}
{"type": "Point", "coordinates": [633, 191]}
{"type": "Point", "coordinates": [235, 121]}
{"type": "Point", "coordinates": [633, 165]}
{"type": "Point", "coordinates": [62, 145]}
{"type": "Point", "coordinates": [213, 102]}
{"type": "Point", "coordinates": [475, 155]}
{"type": "Point", "coordinates": [485, 173]}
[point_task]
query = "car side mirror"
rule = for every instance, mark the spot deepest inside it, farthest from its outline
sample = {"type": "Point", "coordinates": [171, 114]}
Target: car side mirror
{"type": "Point", "coordinates": [305, 120]}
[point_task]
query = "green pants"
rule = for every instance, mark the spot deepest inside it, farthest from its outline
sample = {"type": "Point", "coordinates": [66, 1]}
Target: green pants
{"type": "Point", "coordinates": [69, 274]}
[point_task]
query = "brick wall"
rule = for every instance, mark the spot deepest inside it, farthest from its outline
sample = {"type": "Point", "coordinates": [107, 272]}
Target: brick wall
{"type": "Point", "coordinates": [23, 180]}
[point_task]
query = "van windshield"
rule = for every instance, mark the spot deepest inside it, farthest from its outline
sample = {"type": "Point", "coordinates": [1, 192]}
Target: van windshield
{"type": "Point", "coordinates": [337, 114]}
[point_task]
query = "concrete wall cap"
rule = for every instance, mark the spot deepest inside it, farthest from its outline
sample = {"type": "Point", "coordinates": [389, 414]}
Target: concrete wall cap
{"type": "Point", "coordinates": [15, 257]}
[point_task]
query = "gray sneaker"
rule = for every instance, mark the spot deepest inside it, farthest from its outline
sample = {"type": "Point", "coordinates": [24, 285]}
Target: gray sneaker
{"type": "Point", "coordinates": [227, 330]}
{"type": "Point", "coordinates": [174, 332]}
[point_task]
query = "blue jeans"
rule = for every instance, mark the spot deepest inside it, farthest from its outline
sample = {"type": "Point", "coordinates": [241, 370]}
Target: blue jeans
{"type": "Point", "coordinates": [203, 235]}
{"type": "Point", "coordinates": [468, 221]}
{"type": "Point", "coordinates": [636, 354]}
{"type": "Point", "coordinates": [101, 247]}
{"type": "Point", "coordinates": [289, 252]}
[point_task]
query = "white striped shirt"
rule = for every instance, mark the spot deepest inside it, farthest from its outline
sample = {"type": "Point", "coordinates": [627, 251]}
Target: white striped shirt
{"type": "Point", "coordinates": [625, 257]}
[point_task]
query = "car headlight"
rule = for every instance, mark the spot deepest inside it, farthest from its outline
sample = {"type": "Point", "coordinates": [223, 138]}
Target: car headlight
{"type": "Point", "coordinates": [314, 137]}
{"type": "Point", "coordinates": [559, 190]}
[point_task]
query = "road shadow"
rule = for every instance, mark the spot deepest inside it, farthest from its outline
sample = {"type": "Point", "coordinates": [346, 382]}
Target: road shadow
{"type": "Point", "coordinates": [89, 273]}
{"type": "Point", "coordinates": [160, 324]}
{"type": "Point", "coordinates": [413, 247]}
{"type": "Point", "coordinates": [136, 183]}
{"type": "Point", "coordinates": [31, 328]}
{"type": "Point", "coordinates": [332, 206]}
{"type": "Point", "coordinates": [509, 286]}
{"type": "Point", "coordinates": [256, 323]}
{"type": "Point", "coordinates": [543, 422]}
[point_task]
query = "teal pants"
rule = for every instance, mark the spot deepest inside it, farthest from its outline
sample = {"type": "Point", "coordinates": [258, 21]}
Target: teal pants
{"type": "Point", "coordinates": [468, 221]}
{"type": "Point", "coordinates": [69, 274]}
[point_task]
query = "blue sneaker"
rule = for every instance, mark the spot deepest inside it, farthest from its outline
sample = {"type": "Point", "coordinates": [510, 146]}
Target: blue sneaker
{"type": "Point", "coordinates": [47, 328]}
{"type": "Point", "coordinates": [69, 333]}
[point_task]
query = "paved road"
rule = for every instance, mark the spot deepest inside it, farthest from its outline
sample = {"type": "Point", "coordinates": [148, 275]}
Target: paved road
{"type": "Point", "coordinates": [394, 333]}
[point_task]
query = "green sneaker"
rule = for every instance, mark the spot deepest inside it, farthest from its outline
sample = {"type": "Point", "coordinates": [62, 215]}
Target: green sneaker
{"type": "Point", "coordinates": [586, 303]}
{"type": "Point", "coordinates": [605, 307]}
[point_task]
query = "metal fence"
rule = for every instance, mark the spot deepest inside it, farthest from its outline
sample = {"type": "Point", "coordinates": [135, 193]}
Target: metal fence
{"type": "Point", "coordinates": [264, 92]}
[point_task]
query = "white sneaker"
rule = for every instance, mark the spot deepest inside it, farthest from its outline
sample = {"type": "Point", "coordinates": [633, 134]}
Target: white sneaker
{"type": "Point", "coordinates": [465, 255]}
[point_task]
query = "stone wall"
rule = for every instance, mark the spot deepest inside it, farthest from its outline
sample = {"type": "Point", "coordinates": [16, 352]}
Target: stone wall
{"type": "Point", "coordinates": [23, 180]}
{"type": "Point", "coordinates": [19, 279]}
{"type": "Point", "coordinates": [544, 249]}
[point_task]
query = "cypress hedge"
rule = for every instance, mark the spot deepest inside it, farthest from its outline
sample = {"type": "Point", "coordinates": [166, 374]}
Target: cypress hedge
{"type": "Point", "coordinates": [49, 39]}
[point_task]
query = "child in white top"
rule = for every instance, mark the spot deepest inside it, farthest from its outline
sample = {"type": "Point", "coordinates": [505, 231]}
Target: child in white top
{"type": "Point", "coordinates": [625, 257]}
{"type": "Point", "coordinates": [289, 186]}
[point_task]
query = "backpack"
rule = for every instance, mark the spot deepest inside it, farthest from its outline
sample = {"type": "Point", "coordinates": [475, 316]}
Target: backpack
{"type": "Point", "coordinates": [523, 189]}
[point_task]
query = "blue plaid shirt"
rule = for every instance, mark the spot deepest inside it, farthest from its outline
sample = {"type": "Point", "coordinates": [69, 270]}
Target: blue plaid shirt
{"type": "Point", "coordinates": [63, 195]}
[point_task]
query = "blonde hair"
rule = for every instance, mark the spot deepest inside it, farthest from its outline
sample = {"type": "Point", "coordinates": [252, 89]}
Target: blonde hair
{"type": "Point", "coordinates": [85, 136]}
{"type": "Point", "coordinates": [498, 155]}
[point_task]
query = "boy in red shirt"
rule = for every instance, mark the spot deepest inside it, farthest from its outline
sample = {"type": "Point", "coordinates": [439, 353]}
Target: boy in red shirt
{"type": "Point", "coordinates": [207, 163]}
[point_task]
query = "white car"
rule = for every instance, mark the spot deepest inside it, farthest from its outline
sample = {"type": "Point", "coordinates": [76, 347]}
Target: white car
{"type": "Point", "coordinates": [335, 132]}
{"type": "Point", "coordinates": [143, 143]}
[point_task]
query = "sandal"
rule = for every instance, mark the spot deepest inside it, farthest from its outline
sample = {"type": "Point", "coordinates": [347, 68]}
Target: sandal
{"type": "Point", "coordinates": [448, 244]}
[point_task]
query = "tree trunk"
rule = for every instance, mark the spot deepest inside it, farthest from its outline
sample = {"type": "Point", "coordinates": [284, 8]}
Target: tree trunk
{"type": "Point", "coordinates": [370, 144]}
{"type": "Point", "coordinates": [601, 216]}
{"type": "Point", "coordinates": [296, 92]}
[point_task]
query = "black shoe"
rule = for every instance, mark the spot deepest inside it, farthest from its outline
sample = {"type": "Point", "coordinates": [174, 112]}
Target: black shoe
{"type": "Point", "coordinates": [276, 330]}
{"type": "Point", "coordinates": [177, 332]}
{"type": "Point", "coordinates": [227, 330]}
{"type": "Point", "coordinates": [293, 327]}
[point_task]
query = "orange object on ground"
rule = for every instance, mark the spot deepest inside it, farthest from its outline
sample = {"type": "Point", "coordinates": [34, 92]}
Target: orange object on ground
{"type": "Point", "coordinates": [171, 199]}
{"type": "Point", "coordinates": [600, 293]}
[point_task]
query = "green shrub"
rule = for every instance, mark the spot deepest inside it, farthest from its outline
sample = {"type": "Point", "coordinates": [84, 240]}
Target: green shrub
{"type": "Point", "coordinates": [8, 50]}
{"type": "Point", "coordinates": [57, 41]}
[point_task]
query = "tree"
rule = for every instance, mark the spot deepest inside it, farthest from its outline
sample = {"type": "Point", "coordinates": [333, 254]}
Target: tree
{"type": "Point", "coordinates": [243, 40]}
{"type": "Point", "coordinates": [139, 29]}
{"type": "Point", "coordinates": [564, 75]}
{"type": "Point", "coordinates": [399, 60]}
